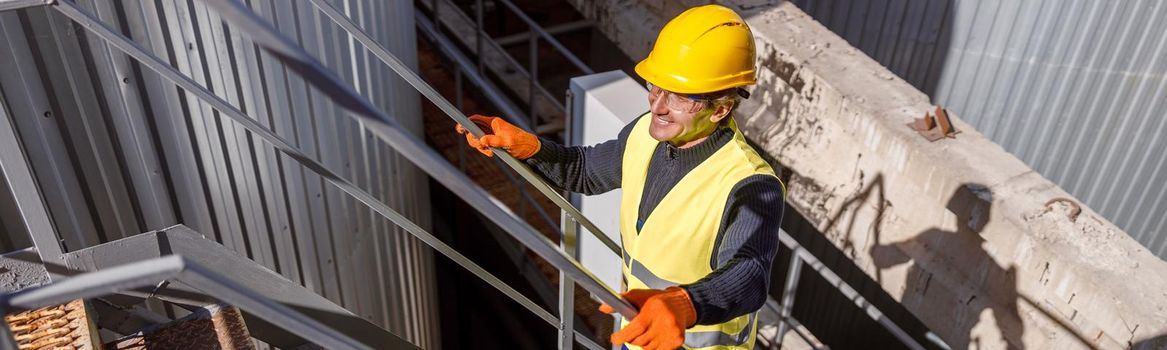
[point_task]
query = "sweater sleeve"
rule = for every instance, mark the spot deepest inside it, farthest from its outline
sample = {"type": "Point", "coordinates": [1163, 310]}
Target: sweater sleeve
{"type": "Point", "coordinates": [583, 169]}
{"type": "Point", "coordinates": [745, 250]}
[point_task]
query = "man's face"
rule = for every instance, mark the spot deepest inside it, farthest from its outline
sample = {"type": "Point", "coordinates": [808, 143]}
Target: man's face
{"type": "Point", "coordinates": [679, 119]}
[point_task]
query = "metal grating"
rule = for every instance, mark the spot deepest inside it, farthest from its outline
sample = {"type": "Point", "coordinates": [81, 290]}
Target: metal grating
{"type": "Point", "coordinates": [64, 326]}
{"type": "Point", "coordinates": [214, 327]}
{"type": "Point", "coordinates": [1073, 88]}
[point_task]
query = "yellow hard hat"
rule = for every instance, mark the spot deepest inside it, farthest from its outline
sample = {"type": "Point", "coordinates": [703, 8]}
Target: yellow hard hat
{"type": "Point", "coordinates": [704, 49]}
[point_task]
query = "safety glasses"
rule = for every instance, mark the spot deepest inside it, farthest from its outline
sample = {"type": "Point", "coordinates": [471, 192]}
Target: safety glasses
{"type": "Point", "coordinates": [676, 102]}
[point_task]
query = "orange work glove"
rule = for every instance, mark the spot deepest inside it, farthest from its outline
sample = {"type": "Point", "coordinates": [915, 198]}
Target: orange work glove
{"type": "Point", "coordinates": [501, 134]}
{"type": "Point", "coordinates": [664, 316]}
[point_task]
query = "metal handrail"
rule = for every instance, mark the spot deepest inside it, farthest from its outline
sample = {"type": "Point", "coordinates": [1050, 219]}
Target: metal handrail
{"type": "Point", "coordinates": [382, 126]}
{"type": "Point", "coordinates": [510, 112]}
{"type": "Point", "coordinates": [535, 27]}
{"type": "Point", "coordinates": [169, 268]}
{"type": "Point", "coordinates": [566, 328]}
{"type": "Point", "coordinates": [792, 325]}
{"type": "Point", "coordinates": [387, 129]}
{"type": "Point", "coordinates": [430, 29]}
{"type": "Point", "coordinates": [170, 73]}
{"type": "Point", "coordinates": [527, 72]}
{"type": "Point", "coordinates": [568, 236]}
{"type": "Point", "coordinates": [492, 93]}
{"type": "Point", "coordinates": [433, 96]}
{"type": "Point", "coordinates": [799, 256]}
{"type": "Point", "coordinates": [450, 178]}
{"type": "Point", "coordinates": [569, 231]}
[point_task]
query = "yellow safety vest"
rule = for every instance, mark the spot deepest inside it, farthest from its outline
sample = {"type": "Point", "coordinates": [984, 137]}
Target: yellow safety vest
{"type": "Point", "coordinates": [676, 242]}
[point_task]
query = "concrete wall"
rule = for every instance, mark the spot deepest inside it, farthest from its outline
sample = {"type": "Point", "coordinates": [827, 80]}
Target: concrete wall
{"type": "Point", "coordinates": [116, 150]}
{"type": "Point", "coordinates": [959, 231]}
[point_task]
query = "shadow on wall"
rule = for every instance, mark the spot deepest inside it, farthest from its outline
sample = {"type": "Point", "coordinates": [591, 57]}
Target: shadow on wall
{"type": "Point", "coordinates": [1159, 342]}
{"type": "Point", "coordinates": [828, 313]}
{"type": "Point", "coordinates": [965, 248]}
{"type": "Point", "coordinates": [909, 37]}
{"type": "Point", "coordinates": [971, 203]}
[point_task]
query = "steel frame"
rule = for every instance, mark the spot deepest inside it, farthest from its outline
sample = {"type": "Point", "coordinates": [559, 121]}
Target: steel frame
{"type": "Point", "coordinates": [181, 240]}
{"type": "Point", "coordinates": [22, 182]}
{"type": "Point", "coordinates": [381, 125]}
{"type": "Point", "coordinates": [169, 73]}
{"type": "Point", "coordinates": [177, 269]}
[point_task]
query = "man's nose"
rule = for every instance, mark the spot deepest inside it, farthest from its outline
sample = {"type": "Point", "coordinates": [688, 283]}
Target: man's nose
{"type": "Point", "coordinates": [658, 106]}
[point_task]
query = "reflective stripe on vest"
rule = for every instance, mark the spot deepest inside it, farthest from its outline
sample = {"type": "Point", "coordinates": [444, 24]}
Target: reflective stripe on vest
{"type": "Point", "coordinates": [675, 244]}
{"type": "Point", "coordinates": [693, 339]}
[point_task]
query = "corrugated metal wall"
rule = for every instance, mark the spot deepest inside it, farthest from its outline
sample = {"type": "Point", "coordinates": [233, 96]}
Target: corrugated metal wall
{"type": "Point", "coordinates": [117, 150]}
{"type": "Point", "coordinates": [1075, 88]}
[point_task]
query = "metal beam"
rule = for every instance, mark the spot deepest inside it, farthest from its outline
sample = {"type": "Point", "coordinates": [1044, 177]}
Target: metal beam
{"type": "Point", "coordinates": [554, 43]}
{"type": "Point", "coordinates": [17, 172]}
{"type": "Point", "coordinates": [833, 279]}
{"type": "Point", "coordinates": [510, 111]}
{"type": "Point", "coordinates": [464, 28]}
{"type": "Point", "coordinates": [552, 30]}
{"type": "Point", "coordinates": [181, 240]}
{"type": "Point", "coordinates": [792, 278]}
{"type": "Point", "coordinates": [570, 243]}
{"type": "Point", "coordinates": [177, 268]}
{"type": "Point", "coordinates": [8, 5]}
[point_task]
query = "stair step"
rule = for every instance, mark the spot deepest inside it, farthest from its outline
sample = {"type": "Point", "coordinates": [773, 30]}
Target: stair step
{"type": "Point", "coordinates": [210, 327]}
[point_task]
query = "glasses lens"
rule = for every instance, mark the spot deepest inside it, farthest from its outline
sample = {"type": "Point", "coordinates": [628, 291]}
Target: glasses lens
{"type": "Point", "coordinates": [682, 103]}
{"type": "Point", "coordinates": [674, 101]}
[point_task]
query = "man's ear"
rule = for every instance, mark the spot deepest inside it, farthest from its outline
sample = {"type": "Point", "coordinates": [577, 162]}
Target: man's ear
{"type": "Point", "coordinates": [721, 112]}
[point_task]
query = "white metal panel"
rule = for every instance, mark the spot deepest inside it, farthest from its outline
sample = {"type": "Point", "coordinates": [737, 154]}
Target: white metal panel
{"type": "Point", "coordinates": [601, 105]}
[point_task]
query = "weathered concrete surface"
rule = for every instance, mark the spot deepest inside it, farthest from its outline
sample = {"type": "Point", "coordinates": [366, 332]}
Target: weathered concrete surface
{"type": "Point", "coordinates": [959, 230]}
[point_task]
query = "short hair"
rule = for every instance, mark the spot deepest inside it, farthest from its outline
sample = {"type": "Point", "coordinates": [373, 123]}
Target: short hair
{"type": "Point", "coordinates": [719, 98]}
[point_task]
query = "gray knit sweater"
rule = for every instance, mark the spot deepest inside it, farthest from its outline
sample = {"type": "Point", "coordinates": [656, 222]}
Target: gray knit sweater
{"type": "Point", "coordinates": [746, 240]}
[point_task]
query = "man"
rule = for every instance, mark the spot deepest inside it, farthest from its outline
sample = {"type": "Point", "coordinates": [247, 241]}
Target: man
{"type": "Point", "coordinates": [700, 209]}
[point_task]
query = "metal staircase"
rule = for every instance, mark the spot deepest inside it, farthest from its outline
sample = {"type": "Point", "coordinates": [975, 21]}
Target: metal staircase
{"type": "Point", "coordinates": [178, 265]}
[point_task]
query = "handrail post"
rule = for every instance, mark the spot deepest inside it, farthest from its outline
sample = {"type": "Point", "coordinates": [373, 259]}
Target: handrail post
{"type": "Point", "coordinates": [792, 276]}
{"type": "Point", "coordinates": [569, 243]}
{"type": "Point", "coordinates": [536, 29]}
{"type": "Point", "coordinates": [849, 292]}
